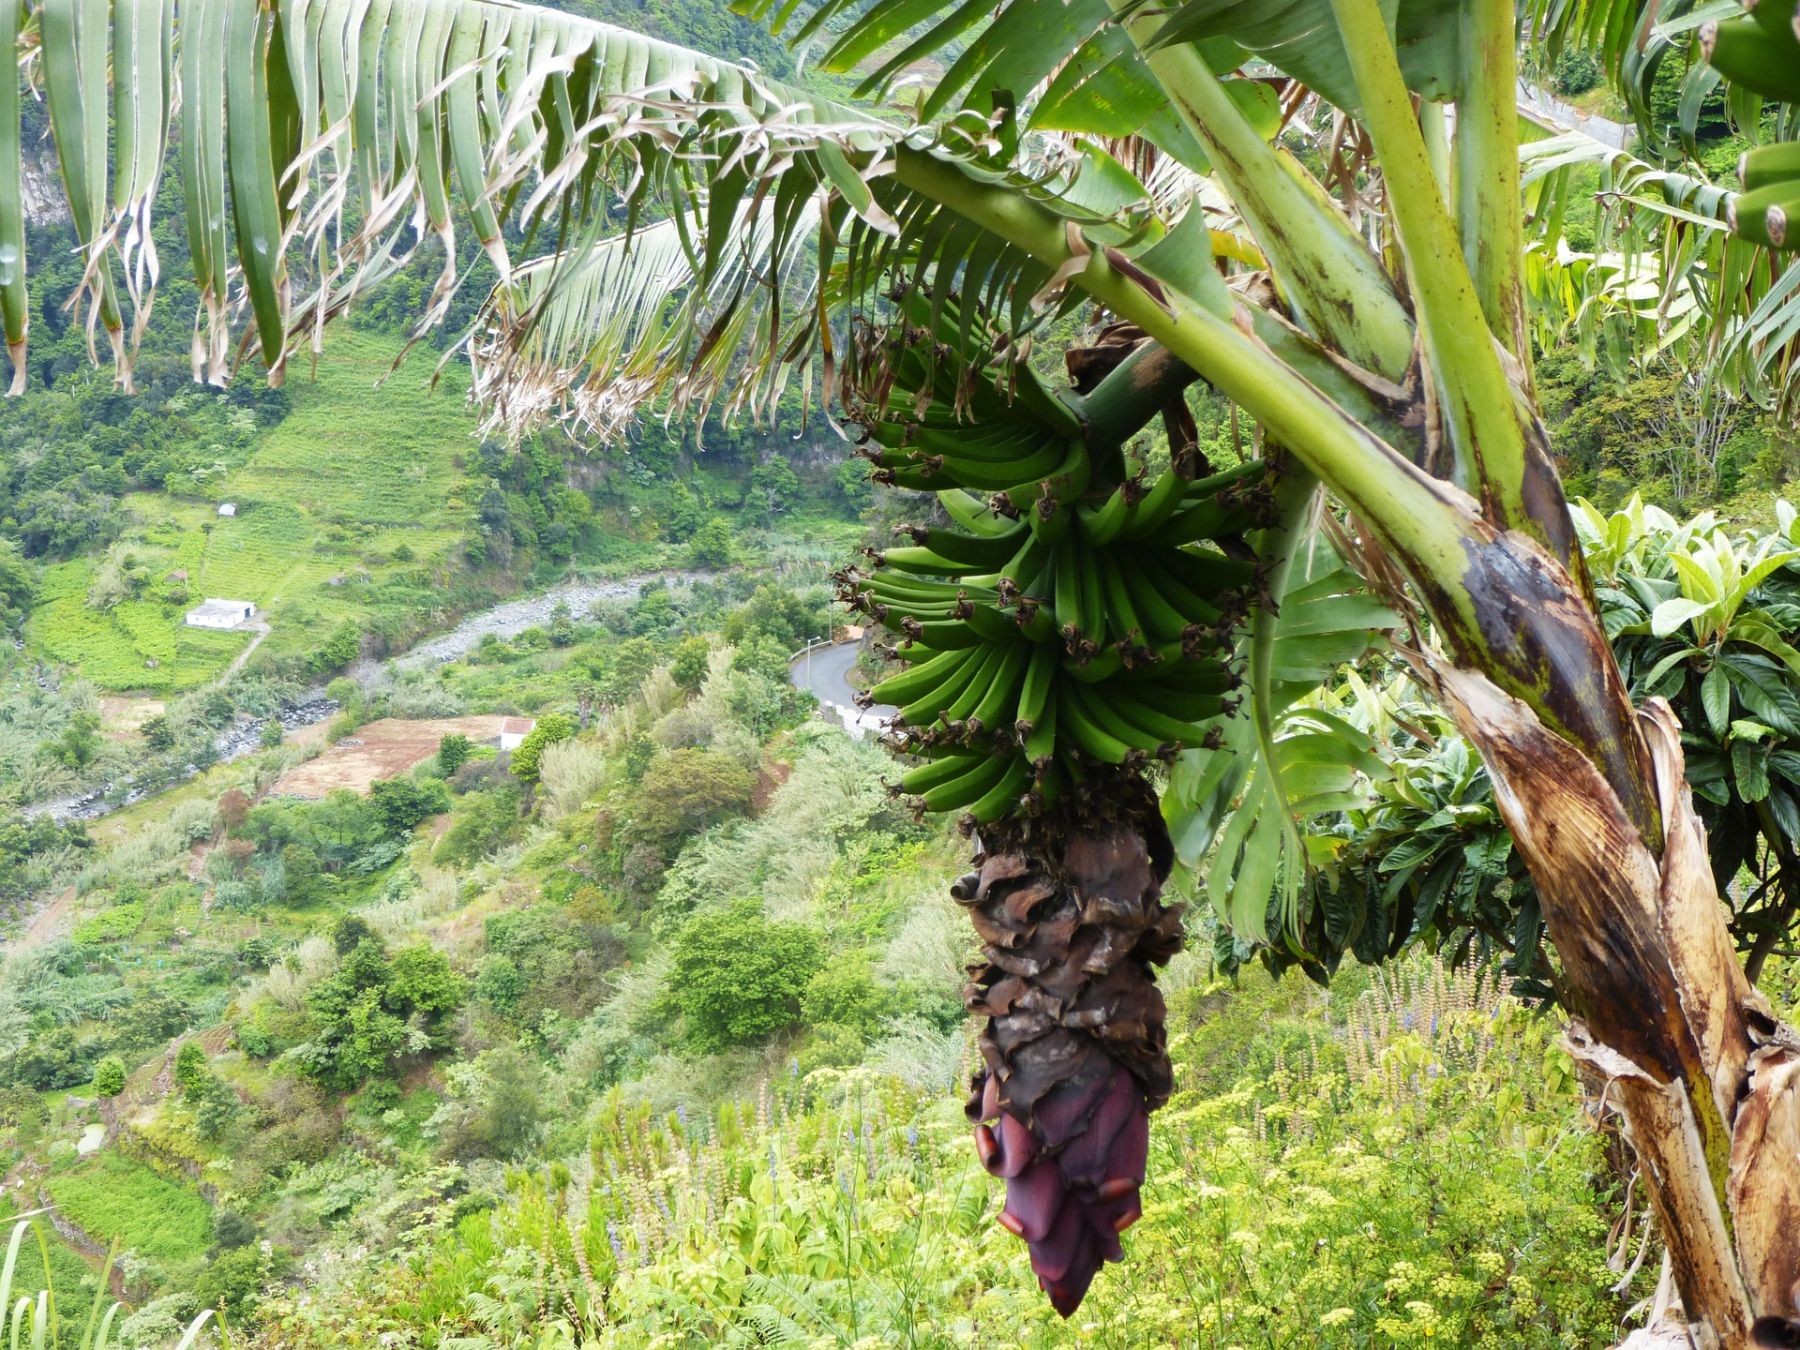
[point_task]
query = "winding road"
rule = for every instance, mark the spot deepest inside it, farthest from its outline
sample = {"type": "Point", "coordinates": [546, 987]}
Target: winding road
{"type": "Point", "coordinates": [824, 672]}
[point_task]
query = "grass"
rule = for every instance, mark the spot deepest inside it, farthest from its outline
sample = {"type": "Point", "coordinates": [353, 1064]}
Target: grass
{"type": "Point", "coordinates": [110, 1196]}
{"type": "Point", "coordinates": [324, 501]}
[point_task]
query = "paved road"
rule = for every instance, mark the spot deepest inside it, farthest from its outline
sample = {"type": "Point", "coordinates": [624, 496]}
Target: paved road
{"type": "Point", "coordinates": [825, 673]}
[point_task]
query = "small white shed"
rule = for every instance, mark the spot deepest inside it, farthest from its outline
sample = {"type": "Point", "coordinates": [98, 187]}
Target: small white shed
{"type": "Point", "coordinates": [211, 613]}
{"type": "Point", "coordinates": [228, 508]}
{"type": "Point", "coordinates": [513, 731]}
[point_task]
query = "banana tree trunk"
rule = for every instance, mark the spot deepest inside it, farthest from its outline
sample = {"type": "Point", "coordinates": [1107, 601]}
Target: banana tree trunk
{"type": "Point", "coordinates": [1705, 1076]}
{"type": "Point", "coordinates": [1073, 1046]}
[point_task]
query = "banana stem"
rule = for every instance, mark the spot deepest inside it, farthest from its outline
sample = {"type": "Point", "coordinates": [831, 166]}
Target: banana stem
{"type": "Point", "coordinates": [1487, 170]}
{"type": "Point", "coordinates": [1488, 445]}
{"type": "Point", "coordinates": [1326, 270]}
{"type": "Point", "coordinates": [1124, 403]}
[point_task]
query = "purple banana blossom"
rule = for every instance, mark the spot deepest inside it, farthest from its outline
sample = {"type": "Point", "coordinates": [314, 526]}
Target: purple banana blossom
{"type": "Point", "coordinates": [1071, 1195]}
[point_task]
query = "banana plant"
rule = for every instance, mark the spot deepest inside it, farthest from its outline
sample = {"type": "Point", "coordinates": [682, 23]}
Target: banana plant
{"type": "Point", "coordinates": [996, 165]}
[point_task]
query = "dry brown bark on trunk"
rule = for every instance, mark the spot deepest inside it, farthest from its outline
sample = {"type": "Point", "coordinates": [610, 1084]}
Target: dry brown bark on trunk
{"type": "Point", "coordinates": [1706, 1078]}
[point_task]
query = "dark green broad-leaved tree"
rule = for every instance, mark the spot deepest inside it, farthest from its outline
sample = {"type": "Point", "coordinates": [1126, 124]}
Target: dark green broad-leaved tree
{"type": "Point", "coordinates": [669, 226]}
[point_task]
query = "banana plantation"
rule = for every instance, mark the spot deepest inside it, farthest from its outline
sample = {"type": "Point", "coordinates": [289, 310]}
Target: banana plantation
{"type": "Point", "coordinates": [1234, 590]}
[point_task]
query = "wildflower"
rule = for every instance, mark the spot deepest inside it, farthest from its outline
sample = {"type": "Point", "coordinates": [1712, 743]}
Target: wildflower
{"type": "Point", "coordinates": [912, 1137]}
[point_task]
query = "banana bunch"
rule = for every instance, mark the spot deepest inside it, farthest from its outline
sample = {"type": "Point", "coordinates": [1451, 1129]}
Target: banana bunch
{"type": "Point", "coordinates": [1071, 616]}
{"type": "Point", "coordinates": [1760, 52]}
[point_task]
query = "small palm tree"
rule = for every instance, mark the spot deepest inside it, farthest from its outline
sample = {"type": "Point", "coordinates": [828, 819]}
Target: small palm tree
{"type": "Point", "coordinates": [664, 224]}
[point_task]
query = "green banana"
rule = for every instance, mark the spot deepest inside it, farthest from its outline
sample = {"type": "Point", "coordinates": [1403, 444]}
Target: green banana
{"type": "Point", "coordinates": [1039, 743]}
{"type": "Point", "coordinates": [1768, 165]}
{"type": "Point", "coordinates": [1067, 596]}
{"type": "Point", "coordinates": [1122, 619]}
{"type": "Point", "coordinates": [944, 634]}
{"type": "Point", "coordinates": [1007, 475]}
{"type": "Point", "coordinates": [1031, 394]}
{"type": "Point", "coordinates": [1758, 57]}
{"type": "Point", "coordinates": [1101, 524]}
{"type": "Point", "coordinates": [1034, 691]}
{"type": "Point", "coordinates": [971, 444]}
{"type": "Point", "coordinates": [1205, 572]}
{"type": "Point", "coordinates": [928, 562]}
{"type": "Point", "coordinates": [966, 787]}
{"type": "Point", "coordinates": [1163, 622]}
{"type": "Point", "coordinates": [1158, 503]}
{"type": "Point", "coordinates": [936, 772]}
{"type": "Point", "coordinates": [1193, 605]}
{"type": "Point", "coordinates": [923, 710]}
{"type": "Point", "coordinates": [1049, 519]}
{"type": "Point", "coordinates": [959, 708]}
{"type": "Point", "coordinates": [1102, 665]}
{"type": "Point", "coordinates": [990, 625]}
{"type": "Point", "coordinates": [991, 711]}
{"type": "Point", "coordinates": [1154, 720]}
{"type": "Point", "coordinates": [1182, 704]}
{"type": "Point", "coordinates": [918, 680]}
{"type": "Point", "coordinates": [973, 514]}
{"type": "Point", "coordinates": [1003, 796]}
{"type": "Point", "coordinates": [1065, 482]}
{"type": "Point", "coordinates": [1769, 216]}
{"type": "Point", "coordinates": [986, 550]}
{"type": "Point", "coordinates": [1036, 621]}
{"type": "Point", "coordinates": [1083, 732]}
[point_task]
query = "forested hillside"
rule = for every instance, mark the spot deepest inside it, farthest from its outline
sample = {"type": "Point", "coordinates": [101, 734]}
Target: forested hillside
{"type": "Point", "coordinates": [546, 923]}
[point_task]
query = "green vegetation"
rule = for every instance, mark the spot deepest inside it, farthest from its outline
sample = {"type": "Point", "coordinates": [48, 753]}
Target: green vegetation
{"type": "Point", "coordinates": [113, 1197]}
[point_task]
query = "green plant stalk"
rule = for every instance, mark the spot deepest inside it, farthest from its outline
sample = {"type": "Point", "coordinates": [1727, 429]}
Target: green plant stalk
{"type": "Point", "coordinates": [1295, 498]}
{"type": "Point", "coordinates": [1486, 163]}
{"type": "Point", "coordinates": [1326, 270]}
{"type": "Point", "coordinates": [1432, 120]}
{"type": "Point", "coordinates": [1487, 442]}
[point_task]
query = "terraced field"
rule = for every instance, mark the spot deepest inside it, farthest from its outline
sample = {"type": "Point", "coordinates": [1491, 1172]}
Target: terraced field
{"type": "Point", "coordinates": [352, 475]}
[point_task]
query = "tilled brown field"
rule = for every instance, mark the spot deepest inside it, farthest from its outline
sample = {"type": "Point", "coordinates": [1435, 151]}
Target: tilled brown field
{"type": "Point", "coordinates": [382, 749]}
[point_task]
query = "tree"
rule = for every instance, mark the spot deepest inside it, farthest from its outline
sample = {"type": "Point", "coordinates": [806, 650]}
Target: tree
{"type": "Point", "coordinates": [551, 728]}
{"type": "Point", "coordinates": [711, 545]}
{"type": "Point", "coordinates": [1381, 359]}
{"type": "Point", "coordinates": [691, 663]}
{"type": "Point", "coordinates": [234, 809]}
{"type": "Point", "coordinates": [401, 804]}
{"type": "Point", "coordinates": [18, 584]}
{"type": "Point", "coordinates": [453, 752]}
{"type": "Point", "coordinates": [737, 977]}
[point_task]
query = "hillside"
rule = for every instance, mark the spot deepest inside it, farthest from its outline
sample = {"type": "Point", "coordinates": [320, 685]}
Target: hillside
{"type": "Point", "coordinates": [352, 476]}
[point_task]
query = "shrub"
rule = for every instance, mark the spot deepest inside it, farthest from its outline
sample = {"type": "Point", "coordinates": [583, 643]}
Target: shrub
{"type": "Point", "coordinates": [401, 804]}
{"type": "Point", "coordinates": [1576, 72]}
{"type": "Point", "coordinates": [109, 1077]}
{"type": "Point", "coordinates": [737, 978]}
{"type": "Point", "coordinates": [551, 728]}
{"type": "Point", "coordinates": [687, 790]}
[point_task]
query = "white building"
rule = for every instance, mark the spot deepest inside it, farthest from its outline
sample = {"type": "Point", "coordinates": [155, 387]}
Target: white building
{"type": "Point", "coordinates": [513, 731]}
{"type": "Point", "coordinates": [211, 613]}
{"type": "Point", "coordinates": [228, 508]}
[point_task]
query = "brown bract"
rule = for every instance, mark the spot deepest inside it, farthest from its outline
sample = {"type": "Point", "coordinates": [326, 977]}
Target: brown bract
{"type": "Point", "coordinates": [1074, 1043]}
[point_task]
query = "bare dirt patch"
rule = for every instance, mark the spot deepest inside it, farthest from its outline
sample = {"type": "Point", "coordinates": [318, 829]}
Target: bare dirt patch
{"type": "Point", "coordinates": [122, 718]}
{"type": "Point", "coordinates": [382, 749]}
